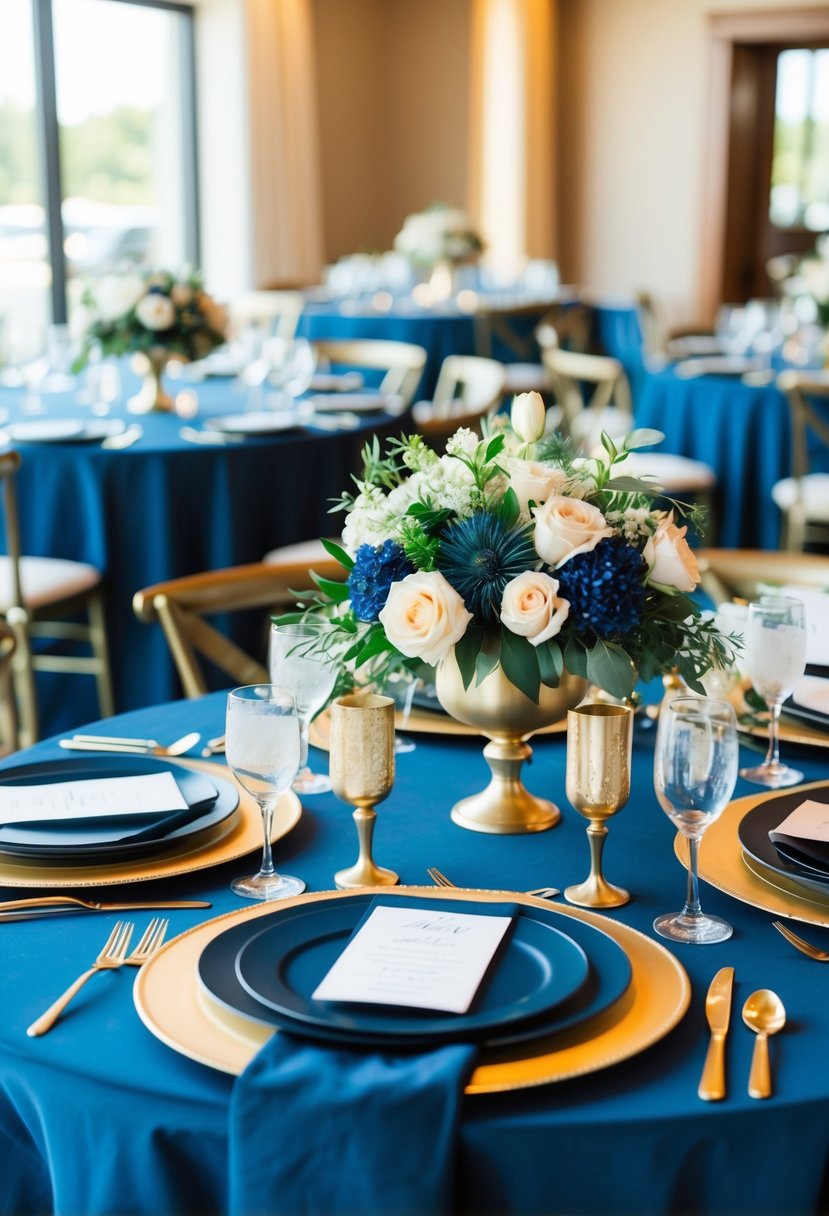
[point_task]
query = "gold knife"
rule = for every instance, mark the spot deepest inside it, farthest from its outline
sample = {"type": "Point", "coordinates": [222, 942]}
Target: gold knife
{"type": "Point", "coordinates": [45, 902]}
{"type": "Point", "coordinates": [718, 1013]}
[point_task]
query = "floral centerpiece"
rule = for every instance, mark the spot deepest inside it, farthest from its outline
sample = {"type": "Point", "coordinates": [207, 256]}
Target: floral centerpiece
{"type": "Point", "coordinates": [512, 554]}
{"type": "Point", "coordinates": [438, 234]}
{"type": "Point", "coordinates": [157, 315]}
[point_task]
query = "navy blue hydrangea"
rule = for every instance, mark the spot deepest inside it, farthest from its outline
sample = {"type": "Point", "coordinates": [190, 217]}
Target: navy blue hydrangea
{"type": "Point", "coordinates": [375, 569]}
{"type": "Point", "coordinates": [605, 588]}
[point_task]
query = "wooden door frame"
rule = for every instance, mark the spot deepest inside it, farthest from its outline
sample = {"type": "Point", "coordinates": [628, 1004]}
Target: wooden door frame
{"type": "Point", "coordinates": [726, 31]}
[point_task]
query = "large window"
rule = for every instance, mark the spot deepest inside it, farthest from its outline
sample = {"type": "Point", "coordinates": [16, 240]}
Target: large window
{"type": "Point", "coordinates": [800, 165]}
{"type": "Point", "coordinates": [97, 148]}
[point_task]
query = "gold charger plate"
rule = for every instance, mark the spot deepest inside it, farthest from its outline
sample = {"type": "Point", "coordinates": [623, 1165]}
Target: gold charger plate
{"type": "Point", "coordinates": [792, 730]}
{"type": "Point", "coordinates": [421, 722]}
{"type": "Point", "coordinates": [241, 835]}
{"type": "Point", "coordinates": [167, 996]}
{"type": "Point", "coordinates": [721, 863]}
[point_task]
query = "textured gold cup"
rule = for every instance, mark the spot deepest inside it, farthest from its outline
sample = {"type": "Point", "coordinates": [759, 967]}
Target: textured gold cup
{"type": "Point", "coordinates": [361, 765]}
{"type": "Point", "coordinates": [599, 740]}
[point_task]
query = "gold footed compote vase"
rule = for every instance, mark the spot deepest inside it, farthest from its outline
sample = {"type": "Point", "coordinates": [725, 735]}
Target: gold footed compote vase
{"type": "Point", "coordinates": [599, 741]}
{"type": "Point", "coordinates": [361, 764]}
{"type": "Point", "coordinates": [152, 396]}
{"type": "Point", "coordinates": [507, 717]}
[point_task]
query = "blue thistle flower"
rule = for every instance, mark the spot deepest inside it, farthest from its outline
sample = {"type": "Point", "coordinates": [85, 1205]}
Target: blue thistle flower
{"type": "Point", "coordinates": [478, 556]}
{"type": "Point", "coordinates": [373, 572]}
{"type": "Point", "coordinates": [605, 588]}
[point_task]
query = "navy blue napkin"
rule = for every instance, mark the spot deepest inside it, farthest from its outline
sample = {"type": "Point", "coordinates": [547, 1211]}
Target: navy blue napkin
{"type": "Point", "coordinates": [316, 1128]}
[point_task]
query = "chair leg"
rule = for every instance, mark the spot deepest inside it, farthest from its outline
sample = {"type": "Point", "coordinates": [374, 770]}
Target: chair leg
{"type": "Point", "coordinates": [23, 680]}
{"type": "Point", "coordinates": [100, 649]}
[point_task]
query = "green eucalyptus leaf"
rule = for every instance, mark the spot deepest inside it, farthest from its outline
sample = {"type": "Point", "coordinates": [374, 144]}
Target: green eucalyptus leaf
{"type": "Point", "coordinates": [520, 664]}
{"type": "Point", "coordinates": [575, 658]}
{"type": "Point", "coordinates": [642, 437]}
{"type": "Point", "coordinates": [466, 653]}
{"type": "Point", "coordinates": [336, 592]}
{"type": "Point", "coordinates": [550, 663]}
{"type": "Point", "coordinates": [339, 554]}
{"type": "Point", "coordinates": [489, 656]}
{"type": "Point", "coordinates": [610, 668]}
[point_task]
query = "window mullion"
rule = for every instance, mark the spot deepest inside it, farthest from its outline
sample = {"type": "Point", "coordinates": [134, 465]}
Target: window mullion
{"type": "Point", "coordinates": [49, 150]}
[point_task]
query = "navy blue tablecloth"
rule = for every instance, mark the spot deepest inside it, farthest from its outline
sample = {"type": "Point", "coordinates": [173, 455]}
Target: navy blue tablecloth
{"type": "Point", "coordinates": [165, 508]}
{"type": "Point", "coordinates": [102, 1118]}
{"type": "Point", "coordinates": [742, 431]}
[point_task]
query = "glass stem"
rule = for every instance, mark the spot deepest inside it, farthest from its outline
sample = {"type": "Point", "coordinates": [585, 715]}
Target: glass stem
{"type": "Point", "coordinates": [692, 907]}
{"type": "Point", "coordinates": [267, 807]}
{"type": "Point", "coordinates": [772, 759]}
{"type": "Point", "coordinates": [303, 742]}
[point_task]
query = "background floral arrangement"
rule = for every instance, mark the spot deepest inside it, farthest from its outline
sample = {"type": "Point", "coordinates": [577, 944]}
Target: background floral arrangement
{"type": "Point", "coordinates": [511, 550]}
{"type": "Point", "coordinates": [439, 233]}
{"type": "Point", "coordinates": [158, 310]}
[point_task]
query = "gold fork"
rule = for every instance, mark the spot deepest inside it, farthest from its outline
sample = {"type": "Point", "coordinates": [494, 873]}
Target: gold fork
{"type": "Point", "coordinates": [820, 956]}
{"type": "Point", "coordinates": [112, 955]}
{"type": "Point", "coordinates": [440, 880]}
{"type": "Point", "coordinates": [151, 940]}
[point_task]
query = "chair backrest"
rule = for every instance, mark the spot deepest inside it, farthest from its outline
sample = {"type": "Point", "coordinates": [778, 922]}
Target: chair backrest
{"type": "Point", "coordinates": [569, 370]}
{"type": "Point", "coordinates": [468, 387]}
{"type": "Point", "coordinates": [740, 573]}
{"type": "Point", "coordinates": [181, 605]}
{"type": "Point", "coordinates": [403, 362]}
{"type": "Point", "coordinates": [566, 327]}
{"type": "Point", "coordinates": [808, 423]}
{"type": "Point", "coordinates": [654, 333]}
{"type": "Point", "coordinates": [279, 310]}
{"type": "Point", "coordinates": [507, 330]}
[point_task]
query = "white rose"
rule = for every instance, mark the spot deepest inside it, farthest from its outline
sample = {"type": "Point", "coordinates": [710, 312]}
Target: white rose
{"type": "Point", "coordinates": [670, 558]}
{"type": "Point", "coordinates": [532, 607]}
{"type": "Point", "coordinates": [155, 311]}
{"type": "Point", "coordinates": [528, 415]}
{"type": "Point", "coordinates": [567, 526]}
{"type": "Point", "coordinates": [116, 294]}
{"type": "Point", "coordinates": [424, 616]}
{"type": "Point", "coordinates": [533, 481]}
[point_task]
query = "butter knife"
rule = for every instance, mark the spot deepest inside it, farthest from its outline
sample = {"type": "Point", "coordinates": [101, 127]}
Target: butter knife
{"type": "Point", "coordinates": [718, 1014]}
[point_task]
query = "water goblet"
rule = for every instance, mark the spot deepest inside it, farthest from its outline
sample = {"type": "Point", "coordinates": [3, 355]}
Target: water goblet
{"type": "Point", "coordinates": [599, 740]}
{"type": "Point", "coordinates": [298, 659]}
{"type": "Point", "coordinates": [362, 773]}
{"type": "Point", "coordinates": [775, 659]}
{"type": "Point", "coordinates": [695, 771]}
{"type": "Point", "coordinates": [262, 750]}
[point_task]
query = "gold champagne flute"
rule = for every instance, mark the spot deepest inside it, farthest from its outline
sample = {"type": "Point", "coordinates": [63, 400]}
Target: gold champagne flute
{"type": "Point", "coordinates": [599, 740]}
{"type": "Point", "coordinates": [361, 765]}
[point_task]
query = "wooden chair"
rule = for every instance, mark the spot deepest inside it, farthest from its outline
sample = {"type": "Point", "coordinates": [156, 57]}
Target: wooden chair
{"type": "Point", "coordinates": [34, 591]}
{"type": "Point", "coordinates": [607, 408]}
{"type": "Point", "coordinates": [743, 573]}
{"type": "Point", "coordinates": [403, 362]}
{"type": "Point", "coordinates": [513, 332]}
{"type": "Point", "coordinates": [468, 387]}
{"type": "Point", "coordinates": [183, 606]}
{"type": "Point", "coordinates": [8, 710]}
{"type": "Point", "coordinates": [803, 498]}
{"type": "Point", "coordinates": [662, 344]}
{"type": "Point", "coordinates": [278, 311]}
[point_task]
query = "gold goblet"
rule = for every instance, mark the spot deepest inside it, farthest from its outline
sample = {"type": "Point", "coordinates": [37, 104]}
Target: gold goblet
{"type": "Point", "coordinates": [361, 765]}
{"type": "Point", "coordinates": [599, 739]}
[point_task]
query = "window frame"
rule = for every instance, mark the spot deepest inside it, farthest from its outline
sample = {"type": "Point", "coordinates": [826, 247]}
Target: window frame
{"type": "Point", "coordinates": [48, 131]}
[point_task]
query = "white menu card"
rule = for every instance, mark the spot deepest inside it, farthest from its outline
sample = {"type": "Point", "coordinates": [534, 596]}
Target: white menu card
{"type": "Point", "coordinates": [97, 798]}
{"type": "Point", "coordinates": [416, 957]}
{"type": "Point", "coordinates": [809, 821]}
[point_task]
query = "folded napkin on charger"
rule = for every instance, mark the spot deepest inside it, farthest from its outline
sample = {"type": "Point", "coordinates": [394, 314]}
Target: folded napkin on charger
{"type": "Point", "coordinates": [319, 1128]}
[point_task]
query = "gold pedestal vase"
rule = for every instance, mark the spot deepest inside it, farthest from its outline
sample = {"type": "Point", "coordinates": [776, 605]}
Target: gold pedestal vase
{"type": "Point", "coordinates": [507, 717]}
{"type": "Point", "coordinates": [151, 397]}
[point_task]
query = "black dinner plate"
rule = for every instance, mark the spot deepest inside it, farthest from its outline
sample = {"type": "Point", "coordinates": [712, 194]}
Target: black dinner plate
{"type": "Point", "coordinates": [754, 831]}
{"type": "Point", "coordinates": [209, 802]}
{"type": "Point", "coordinates": [538, 968]}
{"type": "Point", "coordinates": [608, 977]}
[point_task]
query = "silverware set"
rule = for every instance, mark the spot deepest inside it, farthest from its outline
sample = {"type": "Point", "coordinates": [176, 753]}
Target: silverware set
{"type": "Point", "coordinates": [440, 880]}
{"type": "Point", "coordinates": [763, 1012]}
{"type": "Point", "coordinates": [112, 956]}
{"type": "Point", "coordinates": [141, 747]}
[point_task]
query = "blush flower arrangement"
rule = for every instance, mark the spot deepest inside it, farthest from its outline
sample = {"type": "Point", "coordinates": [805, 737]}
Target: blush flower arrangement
{"type": "Point", "coordinates": [512, 550]}
{"type": "Point", "coordinates": [157, 311]}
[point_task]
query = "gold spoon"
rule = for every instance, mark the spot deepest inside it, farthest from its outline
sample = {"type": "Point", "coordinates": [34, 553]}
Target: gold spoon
{"type": "Point", "coordinates": [763, 1013]}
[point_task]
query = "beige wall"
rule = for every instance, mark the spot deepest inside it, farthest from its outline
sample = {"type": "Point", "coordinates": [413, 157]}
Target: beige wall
{"type": "Point", "coordinates": [633, 91]}
{"type": "Point", "coordinates": [393, 85]}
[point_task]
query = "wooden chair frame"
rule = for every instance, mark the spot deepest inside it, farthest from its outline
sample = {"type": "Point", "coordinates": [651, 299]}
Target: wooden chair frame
{"type": "Point", "coordinates": [727, 573]}
{"type": "Point", "coordinates": [798, 529]}
{"type": "Point", "coordinates": [403, 362]}
{"type": "Point", "coordinates": [569, 370]}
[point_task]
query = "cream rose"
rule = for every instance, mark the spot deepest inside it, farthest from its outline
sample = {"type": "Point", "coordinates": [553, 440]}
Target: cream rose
{"type": "Point", "coordinates": [533, 481]}
{"type": "Point", "coordinates": [528, 415]}
{"type": "Point", "coordinates": [116, 294]}
{"type": "Point", "coordinates": [424, 616]}
{"type": "Point", "coordinates": [532, 607]}
{"type": "Point", "coordinates": [670, 558]}
{"type": "Point", "coordinates": [155, 311]}
{"type": "Point", "coordinates": [567, 526]}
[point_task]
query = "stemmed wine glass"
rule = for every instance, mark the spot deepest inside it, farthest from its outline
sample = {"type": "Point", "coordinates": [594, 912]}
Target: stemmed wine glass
{"type": "Point", "coordinates": [299, 660]}
{"type": "Point", "coordinates": [775, 659]}
{"type": "Point", "coordinates": [695, 771]}
{"type": "Point", "coordinates": [262, 750]}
